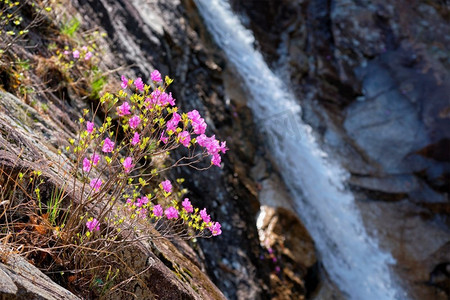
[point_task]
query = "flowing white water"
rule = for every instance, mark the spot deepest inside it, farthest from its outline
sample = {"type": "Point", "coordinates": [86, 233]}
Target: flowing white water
{"type": "Point", "coordinates": [353, 259]}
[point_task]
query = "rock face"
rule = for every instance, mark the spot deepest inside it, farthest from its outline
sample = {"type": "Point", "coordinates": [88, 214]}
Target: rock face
{"type": "Point", "coordinates": [21, 280]}
{"type": "Point", "coordinates": [292, 252]}
{"type": "Point", "coordinates": [168, 35]}
{"type": "Point", "coordinates": [373, 79]}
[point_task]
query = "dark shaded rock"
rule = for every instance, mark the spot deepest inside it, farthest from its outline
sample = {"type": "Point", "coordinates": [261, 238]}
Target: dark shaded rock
{"type": "Point", "coordinates": [373, 79]}
{"type": "Point", "coordinates": [295, 266]}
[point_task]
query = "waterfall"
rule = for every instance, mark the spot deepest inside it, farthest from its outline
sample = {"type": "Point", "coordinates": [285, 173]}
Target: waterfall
{"type": "Point", "coordinates": [352, 258]}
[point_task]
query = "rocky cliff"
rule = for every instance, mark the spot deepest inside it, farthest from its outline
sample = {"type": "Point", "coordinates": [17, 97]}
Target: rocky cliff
{"type": "Point", "coordinates": [372, 78]}
{"type": "Point", "coordinates": [168, 35]}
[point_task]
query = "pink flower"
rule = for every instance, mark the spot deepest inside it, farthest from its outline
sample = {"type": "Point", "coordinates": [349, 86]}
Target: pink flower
{"type": "Point", "coordinates": [173, 123]}
{"type": "Point", "coordinates": [127, 164]}
{"type": "Point", "coordinates": [216, 160]}
{"type": "Point", "coordinates": [163, 138]}
{"type": "Point", "coordinates": [215, 229]}
{"type": "Point", "coordinates": [76, 54]}
{"type": "Point", "coordinates": [165, 99]}
{"type": "Point", "coordinates": [171, 100]}
{"type": "Point", "coordinates": [156, 76]}
{"type": "Point", "coordinates": [86, 165]}
{"type": "Point", "coordinates": [108, 145]}
{"type": "Point", "coordinates": [66, 52]}
{"type": "Point", "coordinates": [89, 126]}
{"type": "Point", "coordinates": [139, 84]}
{"type": "Point", "coordinates": [157, 210]}
{"type": "Point", "coordinates": [93, 224]}
{"type": "Point", "coordinates": [135, 140]}
{"type": "Point", "coordinates": [124, 83]}
{"type": "Point", "coordinates": [206, 218]}
{"type": "Point", "coordinates": [185, 138]}
{"type": "Point", "coordinates": [134, 121]}
{"type": "Point", "coordinates": [142, 201]}
{"type": "Point", "coordinates": [88, 56]}
{"type": "Point", "coordinates": [95, 159]}
{"type": "Point", "coordinates": [213, 147]}
{"type": "Point", "coordinates": [84, 48]}
{"type": "Point", "coordinates": [187, 205]}
{"type": "Point", "coordinates": [124, 109]}
{"type": "Point", "coordinates": [171, 213]}
{"type": "Point", "coordinates": [154, 96]}
{"type": "Point", "coordinates": [143, 213]}
{"type": "Point", "coordinates": [96, 184]}
{"type": "Point", "coordinates": [198, 123]}
{"type": "Point", "coordinates": [223, 147]}
{"type": "Point", "coordinates": [167, 186]}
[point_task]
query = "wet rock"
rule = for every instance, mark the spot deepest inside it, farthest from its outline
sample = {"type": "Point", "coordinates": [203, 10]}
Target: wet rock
{"type": "Point", "coordinates": [374, 86]}
{"type": "Point", "coordinates": [292, 251]}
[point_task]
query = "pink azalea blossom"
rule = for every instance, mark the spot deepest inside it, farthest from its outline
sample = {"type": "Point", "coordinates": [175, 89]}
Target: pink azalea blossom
{"type": "Point", "coordinates": [205, 217]}
{"type": "Point", "coordinates": [108, 145]}
{"type": "Point", "coordinates": [216, 160]}
{"type": "Point", "coordinates": [154, 96]}
{"type": "Point", "coordinates": [124, 109]}
{"type": "Point", "coordinates": [139, 84]}
{"type": "Point", "coordinates": [148, 103]}
{"type": "Point", "coordinates": [223, 147]}
{"type": "Point", "coordinates": [124, 83]}
{"type": "Point", "coordinates": [143, 213]}
{"type": "Point", "coordinates": [95, 159]}
{"type": "Point", "coordinates": [86, 165]}
{"type": "Point", "coordinates": [89, 126]}
{"type": "Point", "coordinates": [156, 76]}
{"type": "Point", "coordinates": [134, 121]}
{"type": "Point", "coordinates": [167, 186]}
{"type": "Point", "coordinates": [185, 138]}
{"type": "Point", "coordinates": [127, 164]}
{"type": "Point", "coordinates": [96, 184]}
{"type": "Point", "coordinates": [163, 138]}
{"type": "Point", "coordinates": [215, 229]}
{"type": "Point", "coordinates": [76, 54]}
{"type": "Point", "coordinates": [157, 210]}
{"type": "Point", "coordinates": [173, 123]}
{"type": "Point", "coordinates": [213, 147]}
{"type": "Point", "coordinates": [187, 206]}
{"type": "Point", "coordinates": [171, 213]}
{"type": "Point", "coordinates": [142, 201]}
{"type": "Point", "coordinates": [88, 56]}
{"type": "Point", "coordinates": [165, 99]}
{"type": "Point", "coordinates": [198, 123]}
{"type": "Point", "coordinates": [135, 140]}
{"type": "Point", "coordinates": [93, 224]}
{"type": "Point", "coordinates": [171, 100]}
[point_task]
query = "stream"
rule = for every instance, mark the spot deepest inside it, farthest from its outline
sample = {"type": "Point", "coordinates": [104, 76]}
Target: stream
{"type": "Point", "coordinates": [352, 258]}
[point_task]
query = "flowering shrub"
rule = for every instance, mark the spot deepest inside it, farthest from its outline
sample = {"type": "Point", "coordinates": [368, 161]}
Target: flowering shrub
{"type": "Point", "coordinates": [116, 192]}
{"type": "Point", "coordinates": [150, 126]}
